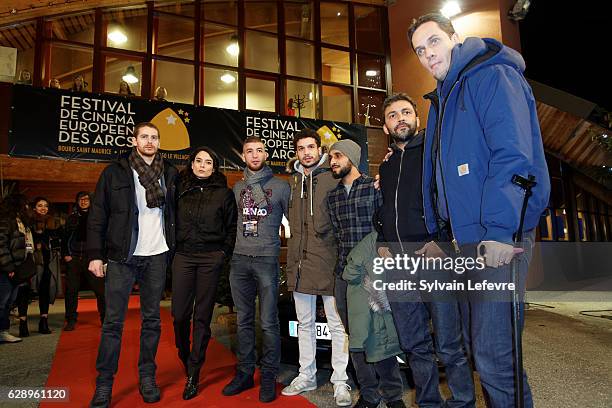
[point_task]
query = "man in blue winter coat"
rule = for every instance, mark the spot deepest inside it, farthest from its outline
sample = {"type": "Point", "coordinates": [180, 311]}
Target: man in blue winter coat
{"type": "Point", "coordinates": [482, 129]}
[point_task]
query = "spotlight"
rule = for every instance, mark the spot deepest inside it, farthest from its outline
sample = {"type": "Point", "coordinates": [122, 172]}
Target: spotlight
{"type": "Point", "coordinates": [371, 73]}
{"type": "Point", "coordinates": [450, 9]}
{"type": "Point", "coordinates": [519, 10]}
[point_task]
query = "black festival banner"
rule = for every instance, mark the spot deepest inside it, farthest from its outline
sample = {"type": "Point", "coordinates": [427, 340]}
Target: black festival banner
{"type": "Point", "coordinates": [51, 123]}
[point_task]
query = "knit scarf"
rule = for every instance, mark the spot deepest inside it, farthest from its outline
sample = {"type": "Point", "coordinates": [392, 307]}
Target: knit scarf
{"type": "Point", "coordinates": [255, 180]}
{"type": "Point", "coordinates": [148, 176]}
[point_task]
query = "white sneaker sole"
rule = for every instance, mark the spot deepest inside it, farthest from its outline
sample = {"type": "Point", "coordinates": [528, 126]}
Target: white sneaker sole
{"type": "Point", "coordinates": [292, 393]}
{"type": "Point", "coordinates": [346, 404]}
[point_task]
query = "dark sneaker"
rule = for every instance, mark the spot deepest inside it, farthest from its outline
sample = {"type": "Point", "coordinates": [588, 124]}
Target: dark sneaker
{"type": "Point", "coordinates": [241, 382]}
{"type": "Point", "coordinates": [70, 325]}
{"type": "Point", "coordinates": [267, 392]}
{"type": "Point", "coordinates": [101, 398]}
{"type": "Point", "coordinates": [361, 403]}
{"type": "Point", "coordinates": [149, 390]}
{"type": "Point", "coordinates": [396, 404]}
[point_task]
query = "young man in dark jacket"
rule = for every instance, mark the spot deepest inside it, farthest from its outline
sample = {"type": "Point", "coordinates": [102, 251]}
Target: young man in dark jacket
{"type": "Point", "coordinates": [131, 229]}
{"type": "Point", "coordinates": [74, 248]}
{"type": "Point", "coordinates": [482, 130]}
{"type": "Point", "coordinates": [404, 231]}
{"type": "Point", "coordinates": [262, 201]}
{"type": "Point", "coordinates": [311, 259]}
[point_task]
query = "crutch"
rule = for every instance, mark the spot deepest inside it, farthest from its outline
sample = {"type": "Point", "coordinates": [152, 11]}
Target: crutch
{"type": "Point", "coordinates": [519, 396]}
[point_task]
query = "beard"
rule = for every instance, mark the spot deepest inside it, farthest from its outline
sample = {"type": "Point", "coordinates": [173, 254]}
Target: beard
{"type": "Point", "coordinates": [313, 164]}
{"type": "Point", "coordinates": [402, 136]}
{"type": "Point", "coordinates": [256, 168]}
{"type": "Point", "coordinates": [342, 172]}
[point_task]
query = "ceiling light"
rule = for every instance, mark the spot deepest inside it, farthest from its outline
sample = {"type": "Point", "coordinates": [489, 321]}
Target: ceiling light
{"type": "Point", "coordinates": [117, 37]}
{"type": "Point", "coordinates": [450, 9]}
{"type": "Point", "coordinates": [130, 75]}
{"type": "Point", "coordinates": [371, 73]}
{"type": "Point", "coordinates": [228, 78]}
{"type": "Point", "coordinates": [310, 95]}
{"type": "Point", "coordinates": [233, 49]}
{"type": "Point", "coordinates": [339, 14]}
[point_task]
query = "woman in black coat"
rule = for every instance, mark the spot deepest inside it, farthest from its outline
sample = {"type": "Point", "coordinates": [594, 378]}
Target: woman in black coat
{"type": "Point", "coordinates": [16, 257]}
{"type": "Point", "coordinates": [205, 235]}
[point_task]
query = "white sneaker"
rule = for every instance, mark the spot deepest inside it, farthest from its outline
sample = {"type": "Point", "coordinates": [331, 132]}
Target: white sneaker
{"type": "Point", "coordinates": [342, 395]}
{"type": "Point", "coordinates": [6, 337]}
{"type": "Point", "coordinates": [299, 385]}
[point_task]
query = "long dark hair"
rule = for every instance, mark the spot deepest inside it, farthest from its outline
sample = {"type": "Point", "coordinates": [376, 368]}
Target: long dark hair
{"type": "Point", "coordinates": [14, 205]}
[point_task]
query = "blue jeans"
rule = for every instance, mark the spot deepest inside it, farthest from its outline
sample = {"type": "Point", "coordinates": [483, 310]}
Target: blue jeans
{"type": "Point", "coordinates": [8, 294]}
{"type": "Point", "coordinates": [150, 273]}
{"type": "Point", "coordinates": [488, 319]}
{"type": "Point", "coordinates": [253, 276]}
{"type": "Point", "coordinates": [412, 323]}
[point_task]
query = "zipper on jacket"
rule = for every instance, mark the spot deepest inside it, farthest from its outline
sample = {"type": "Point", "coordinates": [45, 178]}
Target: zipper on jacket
{"type": "Point", "coordinates": [399, 176]}
{"type": "Point", "coordinates": [439, 158]}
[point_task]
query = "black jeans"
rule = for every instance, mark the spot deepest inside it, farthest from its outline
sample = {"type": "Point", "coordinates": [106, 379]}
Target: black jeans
{"type": "Point", "coordinates": [150, 273]}
{"type": "Point", "coordinates": [253, 276]}
{"type": "Point", "coordinates": [25, 291]}
{"type": "Point", "coordinates": [380, 380]}
{"type": "Point", "coordinates": [194, 277]}
{"type": "Point", "coordinates": [76, 268]}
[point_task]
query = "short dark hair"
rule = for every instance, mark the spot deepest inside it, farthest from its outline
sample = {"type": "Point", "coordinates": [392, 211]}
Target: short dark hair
{"type": "Point", "coordinates": [444, 23]}
{"type": "Point", "coordinates": [304, 134]}
{"type": "Point", "coordinates": [252, 139]}
{"type": "Point", "coordinates": [143, 125]}
{"type": "Point", "coordinates": [399, 97]}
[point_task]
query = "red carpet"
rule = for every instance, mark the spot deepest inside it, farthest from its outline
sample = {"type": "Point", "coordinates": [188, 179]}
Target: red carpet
{"type": "Point", "coordinates": [74, 366]}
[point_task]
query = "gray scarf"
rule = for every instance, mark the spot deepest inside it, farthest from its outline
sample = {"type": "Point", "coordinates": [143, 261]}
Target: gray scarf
{"type": "Point", "coordinates": [255, 180]}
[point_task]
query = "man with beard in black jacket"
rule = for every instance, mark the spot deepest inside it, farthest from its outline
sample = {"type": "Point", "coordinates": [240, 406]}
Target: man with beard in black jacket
{"type": "Point", "coordinates": [131, 229]}
{"type": "Point", "coordinates": [403, 225]}
{"type": "Point", "coordinates": [74, 249]}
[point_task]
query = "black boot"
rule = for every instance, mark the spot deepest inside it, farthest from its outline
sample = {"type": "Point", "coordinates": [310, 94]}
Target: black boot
{"type": "Point", "coordinates": [241, 382]}
{"type": "Point", "coordinates": [191, 386]}
{"type": "Point", "coordinates": [43, 326]}
{"type": "Point", "coordinates": [23, 328]}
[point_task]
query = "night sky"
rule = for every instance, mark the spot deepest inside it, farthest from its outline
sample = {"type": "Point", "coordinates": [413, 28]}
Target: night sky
{"type": "Point", "coordinates": [568, 45]}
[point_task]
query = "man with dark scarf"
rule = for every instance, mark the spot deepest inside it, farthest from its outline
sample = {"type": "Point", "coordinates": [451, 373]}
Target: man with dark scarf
{"type": "Point", "coordinates": [74, 248]}
{"type": "Point", "coordinates": [262, 201]}
{"type": "Point", "coordinates": [130, 238]}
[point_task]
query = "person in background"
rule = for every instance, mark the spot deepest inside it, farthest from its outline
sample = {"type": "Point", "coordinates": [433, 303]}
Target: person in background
{"type": "Point", "coordinates": [124, 89]}
{"type": "Point", "coordinates": [47, 247]}
{"type": "Point", "coordinates": [54, 83]}
{"type": "Point", "coordinates": [311, 258]}
{"type": "Point", "coordinates": [352, 205]}
{"type": "Point", "coordinates": [74, 251]}
{"type": "Point", "coordinates": [16, 257]}
{"type": "Point", "coordinates": [262, 201]}
{"type": "Point", "coordinates": [79, 84]}
{"type": "Point", "coordinates": [25, 77]}
{"type": "Point", "coordinates": [206, 215]}
{"type": "Point", "coordinates": [161, 94]}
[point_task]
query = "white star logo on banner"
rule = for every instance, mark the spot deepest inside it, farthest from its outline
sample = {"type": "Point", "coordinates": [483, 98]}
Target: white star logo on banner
{"type": "Point", "coordinates": [171, 119]}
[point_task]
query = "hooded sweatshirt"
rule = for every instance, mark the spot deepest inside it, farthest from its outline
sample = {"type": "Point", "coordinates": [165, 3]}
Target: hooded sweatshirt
{"type": "Point", "coordinates": [262, 201]}
{"type": "Point", "coordinates": [311, 255]}
{"type": "Point", "coordinates": [482, 129]}
{"type": "Point", "coordinates": [400, 182]}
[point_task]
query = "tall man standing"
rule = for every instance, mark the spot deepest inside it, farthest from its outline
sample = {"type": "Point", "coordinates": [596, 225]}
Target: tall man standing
{"type": "Point", "coordinates": [129, 239]}
{"type": "Point", "coordinates": [482, 130]}
{"type": "Point", "coordinates": [352, 205]}
{"type": "Point", "coordinates": [262, 201]}
{"type": "Point", "coordinates": [311, 259]}
{"type": "Point", "coordinates": [404, 229]}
